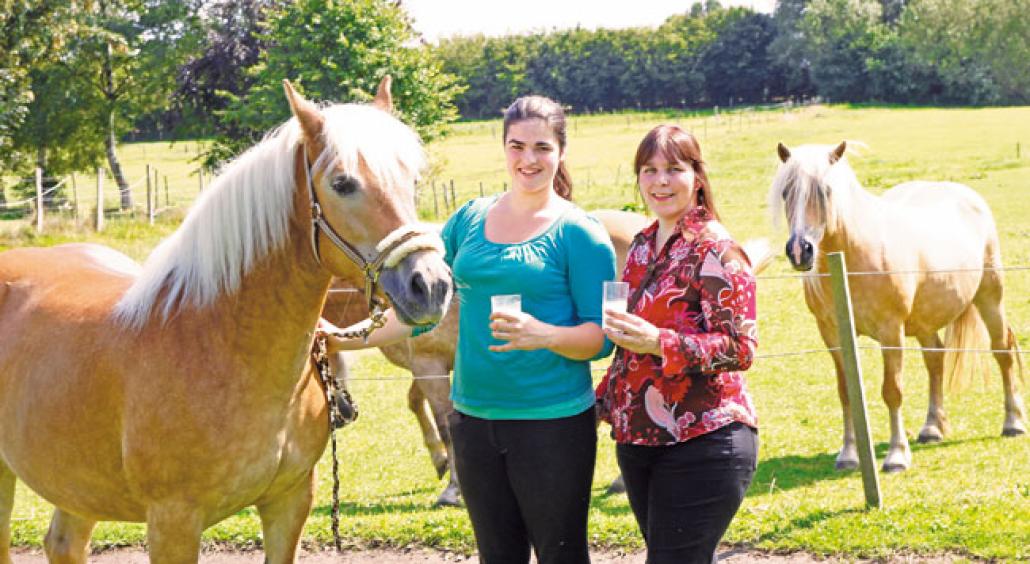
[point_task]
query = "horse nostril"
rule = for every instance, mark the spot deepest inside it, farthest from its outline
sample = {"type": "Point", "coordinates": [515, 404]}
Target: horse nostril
{"type": "Point", "coordinates": [419, 289]}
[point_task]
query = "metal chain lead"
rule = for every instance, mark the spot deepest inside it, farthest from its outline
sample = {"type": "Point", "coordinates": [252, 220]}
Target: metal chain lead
{"type": "Point", "coordinates": [377, 318]}
{"type": "Point", "coordinates": [321, 358]}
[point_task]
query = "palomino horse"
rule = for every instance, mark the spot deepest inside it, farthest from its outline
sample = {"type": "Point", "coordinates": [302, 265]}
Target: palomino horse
{"type": "Point", "coordinates": [181, 393]}
{"type": "Point", "coordinates": [431, 355]}
{"type": "Point", "coordinates": [933, 254]}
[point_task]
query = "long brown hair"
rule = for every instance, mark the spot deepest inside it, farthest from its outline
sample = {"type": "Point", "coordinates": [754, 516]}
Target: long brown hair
{"type": "Point", "coordinates": [676, 144]}
{"type": "Point", "coordinates": [541, 107]}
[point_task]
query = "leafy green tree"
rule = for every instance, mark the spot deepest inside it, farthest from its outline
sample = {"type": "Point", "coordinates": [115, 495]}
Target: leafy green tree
{"type": "Point", "coordinates": [737, 64]}
{"type": "Point", "coordinates": [31, 32]}
{"type": "Point", "coordinates": [339, 51]}
{"type": "Point", "coordinates": [841, 36]}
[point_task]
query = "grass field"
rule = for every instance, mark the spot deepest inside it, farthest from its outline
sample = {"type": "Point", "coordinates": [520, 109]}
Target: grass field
{"type": "Point", "coordinates": [968, 496]}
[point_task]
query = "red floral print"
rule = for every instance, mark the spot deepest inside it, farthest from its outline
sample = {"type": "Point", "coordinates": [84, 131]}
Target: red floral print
{"type": "Point", "coordinates": [702, 299]}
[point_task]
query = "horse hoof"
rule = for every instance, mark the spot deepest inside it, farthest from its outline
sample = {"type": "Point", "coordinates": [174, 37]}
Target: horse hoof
{"type": "Point", "coordinates": [618, 486]}
{"type": "Point", "coordinates": [441, 466]}
{"type": "Point", "coordinates": [894, 467]}
{"type": "Point", "coordinates": [844, 465]}
{"type": "Point", "coordinates": [929, 438]}
{"type": "Point", "coordinates": [1013, 432]}
{"type": "Point", "coordinates": [448, 499]}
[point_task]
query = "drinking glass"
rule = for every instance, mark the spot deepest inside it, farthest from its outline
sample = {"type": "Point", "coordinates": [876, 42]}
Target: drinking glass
{"type": "Point", "coordinates": [506, 303]}
{"type": "Point", "coordinates": [616, 295]}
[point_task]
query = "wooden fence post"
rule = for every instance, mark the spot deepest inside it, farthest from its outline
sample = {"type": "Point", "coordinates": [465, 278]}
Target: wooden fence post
{"type": "Point", "coordinates": [75, 200]}
{"type": "Point", "coordinates": [166, 191]}
{"type": "Point", "coordinates": [454, 201]}
{"type": "Point", "coordinates": [481, 193]}
{"type": "Point", "coordinates": [436, 206]}
{"type": "Point", "coordinates": [100, 200]}
{"type": "Point", "coordinates": [853, 376]}
{"type": "Point", "coordinates": [150, 198]}
{"type": "Point", "coordinates": [200, 174]}
{"type": "Point", "coordinates": [39, 200]}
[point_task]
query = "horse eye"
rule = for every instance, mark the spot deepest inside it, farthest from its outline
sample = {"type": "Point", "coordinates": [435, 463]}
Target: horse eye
{"type": "Point", "coordinates": [345, 185]}
{"type": "Point", "coordinates": [784, 194]}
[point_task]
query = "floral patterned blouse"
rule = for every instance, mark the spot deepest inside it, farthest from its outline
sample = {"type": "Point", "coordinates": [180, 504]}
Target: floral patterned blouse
{"type": "Point", "coordinates": [701, 296]}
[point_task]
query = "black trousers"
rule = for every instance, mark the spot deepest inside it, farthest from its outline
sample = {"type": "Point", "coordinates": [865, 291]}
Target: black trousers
{"type": "Point", "coordinates": [685, 495]}
{"type": "Point", "coordinates": [526, 483]}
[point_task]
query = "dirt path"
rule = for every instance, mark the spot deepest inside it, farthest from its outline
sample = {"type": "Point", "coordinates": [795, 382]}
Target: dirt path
{"type": "Point", "coordinates": [423, 556]}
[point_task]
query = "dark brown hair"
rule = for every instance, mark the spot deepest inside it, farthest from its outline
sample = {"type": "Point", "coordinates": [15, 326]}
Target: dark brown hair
{"type": "Point", "coordinates": [540, 107]}
{"type": "Point", "coordinates": [675, 144]}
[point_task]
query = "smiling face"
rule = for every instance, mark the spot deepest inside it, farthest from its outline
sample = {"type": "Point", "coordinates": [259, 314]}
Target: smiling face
{"type": "Point", "coordinates": [667, 186]}
{"type": "Point", "coordinates": [533, 154]}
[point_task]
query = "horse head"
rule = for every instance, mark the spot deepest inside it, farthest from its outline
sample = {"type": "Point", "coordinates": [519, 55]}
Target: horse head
{"type": "Point", "coordinates": [358, 166]}
{"type": "Point", "coordinates": [807, 188]}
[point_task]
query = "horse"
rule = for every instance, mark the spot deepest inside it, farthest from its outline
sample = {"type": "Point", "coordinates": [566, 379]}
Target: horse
{"type": "Point", "coordinates": [179, 393]}
{"type": "Point", "coordinates": [931, 259]}
{"type": "Point", "coordinates": [430, 356]}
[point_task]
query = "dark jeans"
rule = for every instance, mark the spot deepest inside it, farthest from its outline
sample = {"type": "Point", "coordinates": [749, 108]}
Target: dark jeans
{"type": "Point", "coordinates": [527, 483]}
{"type": "Point", "coordinates": [685, 495]}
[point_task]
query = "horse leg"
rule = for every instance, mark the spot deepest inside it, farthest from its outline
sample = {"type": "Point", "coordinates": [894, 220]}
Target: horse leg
{"type": "Point", "coordinates": [847, 458]}
{"type": "Point", "coordinates": [67, 541]}
{"type": "Point", "coordinates": [437, 392]}
{"type": "Point", "coordinates": [173, 533]}
{"type": "Point", "coordinates": [430, 434]}
{"type": "Point", "coordinates": [936, 425]}
{"type": "Point", "coordinates": [7, 481]}
{"type": "Point", "coordinates": [283, 518]}
{"type": "Point", "coordinates": [899, 457]}
{"type": "Point", "coordinates": [989, 304]}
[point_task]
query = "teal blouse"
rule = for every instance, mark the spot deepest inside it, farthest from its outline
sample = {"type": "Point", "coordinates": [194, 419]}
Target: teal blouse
{"type": "Point", "coordinates": [559, 275]}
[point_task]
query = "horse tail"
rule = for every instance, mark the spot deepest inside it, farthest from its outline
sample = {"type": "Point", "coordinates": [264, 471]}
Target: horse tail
{"type": "Point", "coordinates": [966, 335]}
{"type": "Point", "coordinates": [1013, 345]}
{"type": "Point", "coordinates": [759, 252]}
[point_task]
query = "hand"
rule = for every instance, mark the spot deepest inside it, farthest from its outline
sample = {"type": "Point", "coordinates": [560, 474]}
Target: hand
{"type": "Point", "coordinates": [522, 331]}
{"type": "Point", "coordinates": [632, 333]}
{"type": "Point", "coordinates": [333, 342]}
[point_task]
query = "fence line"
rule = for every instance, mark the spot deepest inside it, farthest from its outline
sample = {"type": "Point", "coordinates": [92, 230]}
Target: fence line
{"type": "Point", "coordinates": [885, 272]}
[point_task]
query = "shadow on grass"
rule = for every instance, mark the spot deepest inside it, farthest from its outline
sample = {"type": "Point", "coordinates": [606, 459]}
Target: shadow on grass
{"type": "Point", "coordinates": [805, 522]}
{"type": "Point", "coordinates": [353, 508]}
{"type": "Point", "coordinates": [789, 472]}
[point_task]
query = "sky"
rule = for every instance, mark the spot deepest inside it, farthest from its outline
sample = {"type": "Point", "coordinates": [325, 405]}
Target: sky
{"type": "Point", "coordinates": [443, 18]}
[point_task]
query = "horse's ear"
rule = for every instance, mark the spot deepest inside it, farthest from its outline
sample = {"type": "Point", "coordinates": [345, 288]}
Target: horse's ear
{"type": "Point", "coordinates": [838, 152]}
{"type": "Point", "coordinates": [383, 99]}
{"type": "Point", "coordinates": [307, 114]}
{"type": "Point", "coordinates": [783, 152]}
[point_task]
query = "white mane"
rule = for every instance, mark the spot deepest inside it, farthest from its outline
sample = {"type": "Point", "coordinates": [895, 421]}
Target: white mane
{"type": "Point", "coordinates": [244, 215]}
{"type": "Point", "coordinates": [806, 176]}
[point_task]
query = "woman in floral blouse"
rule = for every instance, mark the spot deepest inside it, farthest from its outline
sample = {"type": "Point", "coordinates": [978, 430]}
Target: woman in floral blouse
{"type": "Point", "coordinates": [681, 415]}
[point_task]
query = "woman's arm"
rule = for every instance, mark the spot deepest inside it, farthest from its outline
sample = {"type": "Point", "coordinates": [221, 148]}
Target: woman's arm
{"type": "Point", "coordinates": [392, 332]}
{"type": "Point", "coordinates": [728, 303]}
{"type": "Point", "coordinates": [525, 332]}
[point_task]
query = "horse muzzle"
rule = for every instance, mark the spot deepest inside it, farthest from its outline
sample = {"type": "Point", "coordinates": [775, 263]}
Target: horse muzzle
{"type": "Point", "coordinates": [800, 253]}
{"type": "Point", "coordinates": [419, 287]}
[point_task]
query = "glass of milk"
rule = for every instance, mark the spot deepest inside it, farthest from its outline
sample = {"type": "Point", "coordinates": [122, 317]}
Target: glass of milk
{"type": "Point", "coordinates": [615, 298]}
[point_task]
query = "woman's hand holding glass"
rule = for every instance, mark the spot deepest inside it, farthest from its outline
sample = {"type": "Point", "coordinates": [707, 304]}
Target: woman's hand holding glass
{"type": "Point", "coordinates": [632, 333]}
{"type": "Point", "coordinates": [522, 331]}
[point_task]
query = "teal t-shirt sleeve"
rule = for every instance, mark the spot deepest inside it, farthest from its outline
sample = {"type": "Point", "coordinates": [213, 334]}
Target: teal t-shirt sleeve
{"type": "Point", "coordinates": [451, 233]}
{"type": "Point", "coordinates": [591, 262]}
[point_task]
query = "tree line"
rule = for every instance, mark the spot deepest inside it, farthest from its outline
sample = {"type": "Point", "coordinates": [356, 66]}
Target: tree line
{"type": "Point", "coordinates": [77, 76]}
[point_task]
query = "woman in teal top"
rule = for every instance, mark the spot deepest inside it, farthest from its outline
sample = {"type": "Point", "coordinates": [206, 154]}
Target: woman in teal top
{"type": "Point", "coordinates": [523, 428]}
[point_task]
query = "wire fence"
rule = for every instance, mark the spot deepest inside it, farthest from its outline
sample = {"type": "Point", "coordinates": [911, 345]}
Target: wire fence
{"type": "Point", "coordinates": [803, 352]}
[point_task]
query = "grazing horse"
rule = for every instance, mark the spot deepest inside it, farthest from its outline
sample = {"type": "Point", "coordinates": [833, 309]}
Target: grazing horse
{"type": "Point", "coordinates": [932, 253]}
{"type": "Point", "coordinates": [180, 393]}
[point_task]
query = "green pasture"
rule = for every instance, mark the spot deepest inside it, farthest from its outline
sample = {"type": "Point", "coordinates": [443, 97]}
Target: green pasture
{"type": "Point", "coordinates": [968, 496]}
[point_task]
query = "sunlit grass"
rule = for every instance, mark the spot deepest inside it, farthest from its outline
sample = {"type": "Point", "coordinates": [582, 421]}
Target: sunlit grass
{"type": "Point", "coordinates": [969, 495]}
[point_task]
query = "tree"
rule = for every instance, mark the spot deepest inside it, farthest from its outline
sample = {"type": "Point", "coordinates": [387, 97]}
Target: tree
{"type": "Point", "coordinates": [205, 83]}
{"type": "Point", "coordinates": [787, 51]}
{"type": "Point", "coordinates": [339, 51]}
{"type": "Point", "coordinates": [737, 64]}
{"type": "Point", "coordinates": [30, 33]}
{"type": "Point", "coordinates": [840, 37]}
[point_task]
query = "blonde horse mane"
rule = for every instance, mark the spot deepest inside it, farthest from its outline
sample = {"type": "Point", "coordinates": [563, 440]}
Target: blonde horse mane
{"type": "Point", "coordinates": [244, 215]}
